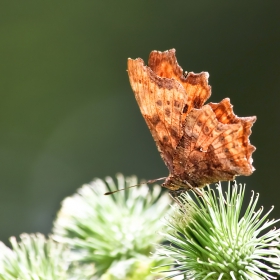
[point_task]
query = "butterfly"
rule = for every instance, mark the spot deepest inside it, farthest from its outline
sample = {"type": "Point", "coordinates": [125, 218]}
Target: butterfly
{"type": "Point", "coordinates": [200, 144]}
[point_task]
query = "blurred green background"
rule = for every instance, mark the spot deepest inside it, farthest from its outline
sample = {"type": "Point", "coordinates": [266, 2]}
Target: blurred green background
{"type": "Point", "coordinates": [68, 113]}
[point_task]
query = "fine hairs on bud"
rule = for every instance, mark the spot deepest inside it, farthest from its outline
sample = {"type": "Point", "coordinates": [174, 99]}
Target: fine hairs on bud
{"type": "Point", "coordinates": [209, 239]}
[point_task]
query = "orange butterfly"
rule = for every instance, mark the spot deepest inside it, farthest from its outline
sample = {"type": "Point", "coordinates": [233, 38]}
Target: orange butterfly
{"type": "Point", "coordinates": [200, 144]}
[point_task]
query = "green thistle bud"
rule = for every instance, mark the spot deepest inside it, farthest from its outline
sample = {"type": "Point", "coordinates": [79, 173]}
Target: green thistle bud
{"type": "Point", "coordinates": [33, 258]}
{"type": "Point", "coordinates": [104, 230]}
{"type": "Point", "coordinates": [210, 240]}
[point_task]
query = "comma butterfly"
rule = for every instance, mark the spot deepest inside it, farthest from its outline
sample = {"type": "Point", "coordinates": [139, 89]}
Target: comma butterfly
{"type": "Point", "coordinates": [200, 144]}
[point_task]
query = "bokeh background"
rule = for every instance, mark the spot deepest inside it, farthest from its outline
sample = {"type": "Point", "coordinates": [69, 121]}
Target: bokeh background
{"type": "Point", "coordinates": [68, 114]}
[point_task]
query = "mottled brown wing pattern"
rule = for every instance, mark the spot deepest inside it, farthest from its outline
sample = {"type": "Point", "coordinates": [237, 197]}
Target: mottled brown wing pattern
{"type": "Point", "coordinates": [160, 90]}
{"type": "Point", "coordinates": [200, 144]}
{"type": "Point", "coordinates": [164, 64]}
{"type": "Point", "coordinates": [224, 114]}
{"type": "Point", "coordinates": [161, 102]}
{"type": "Point", "coordinates": [212, 151]}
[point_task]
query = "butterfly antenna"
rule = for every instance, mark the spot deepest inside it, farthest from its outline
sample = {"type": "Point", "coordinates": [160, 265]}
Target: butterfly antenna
{"type": "Point", "coordinates": [147, 182]}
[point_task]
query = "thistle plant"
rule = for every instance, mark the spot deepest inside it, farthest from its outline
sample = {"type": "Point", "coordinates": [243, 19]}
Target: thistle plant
{"type": "Point", "coordinates": [137, 268]}
{"type": "Point", "coordinates": [34, 258]}
{"type": "Point", "coordinates": [210, 239]}
{"type": "Point", "coordinates": [113, 231]}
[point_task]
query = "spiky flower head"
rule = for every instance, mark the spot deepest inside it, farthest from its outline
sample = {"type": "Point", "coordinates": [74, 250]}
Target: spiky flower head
{"type": "Point", "coordinates": [138, 268]}
{"type": "Point", "coordinates": [33, 258]}
{"type": "Point", "coordinates": [211, 240]}
{"type": "Point", "coordinates": [106, 229]}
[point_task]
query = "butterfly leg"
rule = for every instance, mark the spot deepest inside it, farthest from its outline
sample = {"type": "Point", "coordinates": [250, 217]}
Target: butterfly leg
{"type": "Point", "coordinates": [176, 193]}
{"type": "Point", "coordinates": [195, 189]}
{"type": "Point", "coordinates": [198, 192]}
